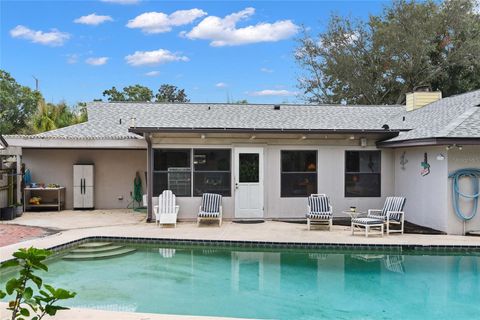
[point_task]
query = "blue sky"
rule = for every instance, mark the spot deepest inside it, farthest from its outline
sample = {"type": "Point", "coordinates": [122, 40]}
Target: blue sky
{"type": "Point", "coordinates": [213, 49]}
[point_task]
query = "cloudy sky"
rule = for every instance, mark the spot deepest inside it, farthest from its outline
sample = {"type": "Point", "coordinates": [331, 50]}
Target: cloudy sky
{"type": "Point", "coordinates": [215, 50]}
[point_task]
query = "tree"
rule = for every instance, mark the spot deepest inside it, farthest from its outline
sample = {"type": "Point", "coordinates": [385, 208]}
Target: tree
{"type": "Point", "coordinates": [113, 95]}
{"type": "Point", "coordinates": [17, 104]}
{"type": "Point", "coordinates": [51, 116]}
{"type": "Point", "coordinates": [170, 93]}
{"type": "Point", "coordinates": [138, 93]}
{"type": "Point", "coordinates": [410, 44]}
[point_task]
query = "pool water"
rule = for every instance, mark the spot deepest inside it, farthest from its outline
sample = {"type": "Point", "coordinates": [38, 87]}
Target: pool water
{"type": "Point", "coordinates": [276, 284]}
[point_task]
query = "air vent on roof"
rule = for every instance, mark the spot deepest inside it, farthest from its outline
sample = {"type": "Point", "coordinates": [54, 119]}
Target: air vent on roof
{"type": "Point", "coordinates": [120, 121]}
{"type": "Point", "coordinates": [276, 107]}
{"type": "Point", "coordinates": [385, 127]}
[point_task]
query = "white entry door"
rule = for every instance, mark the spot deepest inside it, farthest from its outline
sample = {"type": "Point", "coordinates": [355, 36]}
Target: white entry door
{"type": "Point", "coordinates": [248, 182]}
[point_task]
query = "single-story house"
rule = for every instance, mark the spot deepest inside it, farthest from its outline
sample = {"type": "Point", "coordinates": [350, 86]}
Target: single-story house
{"type": "Point", "coordinates": [266, 159]}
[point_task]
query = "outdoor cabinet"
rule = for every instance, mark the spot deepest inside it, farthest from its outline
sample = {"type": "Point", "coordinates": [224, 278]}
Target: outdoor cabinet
{"type": "Point", "coordinates": [83, 186]}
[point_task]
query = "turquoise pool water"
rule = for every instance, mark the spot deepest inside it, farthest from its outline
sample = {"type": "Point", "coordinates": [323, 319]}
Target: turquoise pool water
{"type": "Point", "coordinates": [276, 284]}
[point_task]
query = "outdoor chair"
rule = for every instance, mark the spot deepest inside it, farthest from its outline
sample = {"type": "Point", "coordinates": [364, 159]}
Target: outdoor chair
{"type": "Point", "coordinates": [319, 210]}
{"type": "Point", "coordinates": [211, 208]}
{"type": "Point", "coordinates": [166, 211]}
{"type": "Point", "coordinates": [392, 213]}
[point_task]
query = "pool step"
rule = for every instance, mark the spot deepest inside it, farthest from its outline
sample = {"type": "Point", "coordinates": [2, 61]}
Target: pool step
{"type": "Point", "coordinates": [95, 245]}
{"type": "Point", "coordinates": [81, 250]}
{"type": "Point", "coordinates": [98, 252]}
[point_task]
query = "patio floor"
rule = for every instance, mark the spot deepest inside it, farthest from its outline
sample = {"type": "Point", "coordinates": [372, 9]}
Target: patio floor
{"type": "Point", "coordinates": [74, 225]}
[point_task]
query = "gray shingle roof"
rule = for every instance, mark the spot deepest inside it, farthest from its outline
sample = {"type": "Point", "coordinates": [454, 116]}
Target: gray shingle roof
{"type": "Point", "coordinates": [241, 116]}
{"type": "Point", "coordinates": [454, 117]}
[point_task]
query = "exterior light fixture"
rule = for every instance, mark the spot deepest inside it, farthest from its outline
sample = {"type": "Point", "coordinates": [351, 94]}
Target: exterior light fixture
{"type": "Point", "coordinates": [351, 138]}
{"type": "Point", "coordinates": [202, 136]}
{"type": "Point", "coordinates": [303, 137]}
{"type": "Point", "coordinates": [252, 137]}
{"type": "Point", "coordinates": [459, 147]}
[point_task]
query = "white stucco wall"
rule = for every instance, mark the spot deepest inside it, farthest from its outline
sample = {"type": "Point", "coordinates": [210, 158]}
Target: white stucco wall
{"type": "Point", "coordinates": [331, 177]}
{"type": "Point", "coordinates": [331, 181]}
{"type": "Point", "coordinates": [114, 171]}
{"type": "Point", "coordinates": [468, 157]}
{"type": "Point", "coordinates": [426, 203]}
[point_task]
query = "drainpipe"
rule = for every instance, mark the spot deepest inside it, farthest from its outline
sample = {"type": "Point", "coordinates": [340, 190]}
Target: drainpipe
{"type": "Point", "coordinates": [149, 176]}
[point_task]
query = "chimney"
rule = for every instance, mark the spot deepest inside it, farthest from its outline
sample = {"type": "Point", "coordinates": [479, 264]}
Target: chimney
{"type": "Point", "coordinates": [420, 97]}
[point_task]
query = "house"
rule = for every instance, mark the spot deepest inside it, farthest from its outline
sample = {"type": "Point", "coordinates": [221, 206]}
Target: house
{"type": "Point", "coordinates": [266, 159]}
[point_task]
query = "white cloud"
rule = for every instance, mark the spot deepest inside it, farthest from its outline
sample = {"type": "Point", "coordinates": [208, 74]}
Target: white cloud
{"type": "Point", "coordinates": [266, 70]}
{"type": "Point", "coordinates": [221, 85]}
{"type": "Point", "coordinates": [140, 58]}
{"type": "Point", "coordinates": [93, 19]}
{"type": "Point", "coordinates": [72, 58]}
{"type": "Point", "coordinates": [122, 1]}
{"type": "Point", "coordinates": [159, 22]}
{"type": "Point", "coordinates": [152, 73]}
{"type": "Point", "coordinates": [53, 38]}
{"type": "Point", "coordinates": [99, 61]}
{"type": "Point", "coordinates": [224, 31]}
{"type": "Point", "coordinates": [272, 92]}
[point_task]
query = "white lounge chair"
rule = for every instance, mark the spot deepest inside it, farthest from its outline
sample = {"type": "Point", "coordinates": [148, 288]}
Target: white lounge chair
{"type": "Point", "coordinates": [166, 211]}
{"type": "Point", "coordinates": [211, 208]}
{"type": "Point", "coordinates": [392, 213]}
{"type": "Point", "coordinates": [319, 210]}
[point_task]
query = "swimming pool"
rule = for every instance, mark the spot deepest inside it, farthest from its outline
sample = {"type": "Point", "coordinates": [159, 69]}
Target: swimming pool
{"type": "Point", "coordinates": [275, 283]}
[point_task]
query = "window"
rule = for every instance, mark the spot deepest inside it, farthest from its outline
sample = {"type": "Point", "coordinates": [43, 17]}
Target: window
{"type": "Point", "coordinates": [172, 171]}
{"type": "Point", "coordinates": [298, 173]}
{"type": "Point", "coordinates": [211, 171]}
{"type": "Point", "coordinates": [362, 173]}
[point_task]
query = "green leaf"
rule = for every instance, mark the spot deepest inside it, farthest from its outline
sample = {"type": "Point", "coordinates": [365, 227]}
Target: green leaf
{"type": "Point", "coordinates": [28, 293]}
{"type": "Point", "coordinates": [11, 285]}
{"type": "Point", "coordinates": [63, 294]}
{"type": "Point", "coordinates": [10, 263]}
{"type": "Point", "coordinates": [24, 312]}
{"type": "Point", "coordinates": [37, 280]}
{"type": "Point", "coordinates": [50, 288]}
{"type": "Point", "coordinates": [2, 294]}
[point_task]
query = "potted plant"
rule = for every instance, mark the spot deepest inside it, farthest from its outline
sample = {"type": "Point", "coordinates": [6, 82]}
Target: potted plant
{"type": "Point", "coordinates": [8, 213]}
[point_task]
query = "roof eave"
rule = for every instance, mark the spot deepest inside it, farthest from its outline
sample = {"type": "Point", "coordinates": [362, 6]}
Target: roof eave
{"type": "Point", "coordinates": [142, 130]}
{"type": "Point", "coordinates": [428, 142]}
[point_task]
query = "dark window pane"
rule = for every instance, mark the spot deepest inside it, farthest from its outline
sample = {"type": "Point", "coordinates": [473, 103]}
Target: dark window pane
{"type": "Point", "coordinates": [177, 180]}
{"type": "Point", "coordinates": [362, 161]}
{"type": "Point", "coordinates": [167, 158]}
{"type": "Point", "coordinates": [362, 185]}
{"type": "Point", "coordinates": [298, 184]}
{"type": "Point", "coordinates": [211, 159]}
{"type": "Point", "coordinates": [211, 182]}
{"type": "Point", "coordinates": [299, 161]}
{"type": "Point", "coordinates": [248, 167]}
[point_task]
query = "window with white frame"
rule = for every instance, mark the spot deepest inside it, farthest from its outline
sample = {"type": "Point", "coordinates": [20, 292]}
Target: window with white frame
{"type": "Point", "coordinates": [298, 173]}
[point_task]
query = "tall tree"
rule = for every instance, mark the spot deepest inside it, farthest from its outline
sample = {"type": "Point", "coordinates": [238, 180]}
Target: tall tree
{"type": "Point", "coordinates": [113, 95]}
{"type": "Point", "coordinates": [17, 104]}
{"type": "Point", "coordinates": [51, 116]}
{"type": "Point", "coordinates": [410, 44]}
{"type": "Point", "coordinates": [138, 93]}
{"type": "Point", "coordinates": [170, 93]}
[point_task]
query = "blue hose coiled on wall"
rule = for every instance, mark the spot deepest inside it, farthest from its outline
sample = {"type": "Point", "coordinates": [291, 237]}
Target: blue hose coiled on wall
{"type": "Point", "coordinates": [474, 175]}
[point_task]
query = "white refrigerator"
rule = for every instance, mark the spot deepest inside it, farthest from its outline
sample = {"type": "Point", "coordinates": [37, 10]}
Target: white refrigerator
{"type": "Point", "coordinates": [83, 186]}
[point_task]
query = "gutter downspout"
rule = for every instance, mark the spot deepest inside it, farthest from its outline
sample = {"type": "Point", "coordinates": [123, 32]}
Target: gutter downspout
{"type": "Point", "coordinates": [149, 176]}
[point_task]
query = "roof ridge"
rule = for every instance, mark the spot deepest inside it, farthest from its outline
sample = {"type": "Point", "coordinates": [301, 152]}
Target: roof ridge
{"type": "Point", "coordinates": [452, 125]}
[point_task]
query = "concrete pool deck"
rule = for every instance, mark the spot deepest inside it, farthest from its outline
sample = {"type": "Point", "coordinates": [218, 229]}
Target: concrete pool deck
{"type": "Point", "coordinates": [76, 225]}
